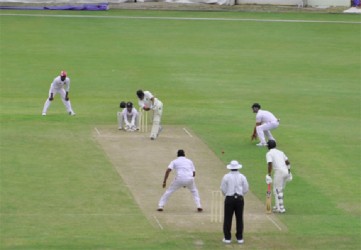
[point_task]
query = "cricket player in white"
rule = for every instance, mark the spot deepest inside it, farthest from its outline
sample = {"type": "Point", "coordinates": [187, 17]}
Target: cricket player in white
{"type": "Point", "coordinates": [60, 85]}
{"type": "Point", "coordinates": [149, 102]}
{"type": "Point", "coordinates": [279, 163]}
{"type": "Point", "coordinates": [185, 173]}
{"type": "Point", "coordinates": [128, 117]}
{"type": "Point", "coordinates": [265, 121]}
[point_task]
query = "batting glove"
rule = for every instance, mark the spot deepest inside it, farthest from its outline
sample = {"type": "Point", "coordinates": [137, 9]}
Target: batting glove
{"type": "Point", "coordinates": [290, 177]}
{"type": "Point", "coordinates": [268, 179]}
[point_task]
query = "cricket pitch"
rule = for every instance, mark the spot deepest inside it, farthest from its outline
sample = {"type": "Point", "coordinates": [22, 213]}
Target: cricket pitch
{"type": "Point", "coordinates": [141, 163]}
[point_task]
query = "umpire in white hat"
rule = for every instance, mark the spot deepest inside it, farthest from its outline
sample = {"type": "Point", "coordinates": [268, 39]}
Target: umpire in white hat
{"type": "Point", "coordinates": [234, 186]}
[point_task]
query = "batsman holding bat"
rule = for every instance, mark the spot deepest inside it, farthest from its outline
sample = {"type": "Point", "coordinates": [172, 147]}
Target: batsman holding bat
{"type": "Point", "coordinates": [149, 102]}
{"type": "Point", "coordinates": [281, 166]}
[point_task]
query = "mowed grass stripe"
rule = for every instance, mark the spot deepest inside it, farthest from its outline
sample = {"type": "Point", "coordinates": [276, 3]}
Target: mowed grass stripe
{"type": "Point", "coordinates": [185, 18]}
{"type": "Point", "coordinates": [207, 73]}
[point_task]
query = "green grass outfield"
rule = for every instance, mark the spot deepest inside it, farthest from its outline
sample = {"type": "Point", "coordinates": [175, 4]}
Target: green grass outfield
{"type": "Point", "coordinates": [58, 190]}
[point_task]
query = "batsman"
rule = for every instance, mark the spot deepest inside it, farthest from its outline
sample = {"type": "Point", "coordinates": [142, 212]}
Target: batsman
{"type": "Point", "coordinates": [281, 166]}
{"type": "Point", "coordinates": [149, 102]}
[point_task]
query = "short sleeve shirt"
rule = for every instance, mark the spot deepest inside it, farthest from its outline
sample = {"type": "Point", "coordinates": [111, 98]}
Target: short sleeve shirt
{"type": "Point", "coordinates": [278, 158]}
{"type": "Point", "coordinates": [183, 166]}
{"type": "Point", "coordinates": [58, 84]}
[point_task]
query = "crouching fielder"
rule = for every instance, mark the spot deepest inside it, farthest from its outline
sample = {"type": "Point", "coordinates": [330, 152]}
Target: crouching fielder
{"type": "Point", "coordinates": [278, 161]}
{"type": "Point", "coordinates": [185, 173]}
{"type": "Point", "coordinates": [60, 85]}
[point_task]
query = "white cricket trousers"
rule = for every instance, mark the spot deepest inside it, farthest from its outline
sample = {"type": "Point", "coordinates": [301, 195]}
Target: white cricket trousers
{"type": "Point", "coordinates": [264, 130]}
{"type": "Point", "coordinates": [177, 184]}
{"type": "Point", "coordinates": [66, 103]}
{"type": "Point", "coordinates": [279, 184]}
{"type": "Point", "coordinates": [121, 122]}
{"type": "Point", "coordinates": [157, 116]}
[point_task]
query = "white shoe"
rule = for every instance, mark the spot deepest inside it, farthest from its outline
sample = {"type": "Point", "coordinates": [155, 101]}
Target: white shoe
{"type": "Point", "coordinates": [71, 113]}
{"type": "Point", "coordinates": [43, 114]}
{"type": "Point", "coordinates": [280, 211]}
{"type": "Point", "coordinates": [240, 241]}
{"type": "Point", "coordinates": [226, 241]}
{"type": "Point", "coordinates": [120, 128]}
{"type": "Point", "coordinates": [261, 144]}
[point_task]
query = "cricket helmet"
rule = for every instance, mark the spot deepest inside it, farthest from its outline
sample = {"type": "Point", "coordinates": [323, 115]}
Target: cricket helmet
{"type": "Point", "coordinates": [140, 94]}
{"type": "Point", "coordinates": [129, 105]}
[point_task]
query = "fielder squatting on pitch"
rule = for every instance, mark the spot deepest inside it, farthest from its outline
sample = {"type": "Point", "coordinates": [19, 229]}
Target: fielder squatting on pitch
{"type": "Point", "coordinates": [281, 166]}
{"type": "Point", "coordinates": [60, 85]}
{"type": "Point", "coordinates": [185, 173]}
{"type": "Point", "coordinates": [265, 121]}
{"type": "Point", "coordinates": [128, 118]}
{"type": "Point", "coordinates": [149, 102]}
{"type": "Point", "coordinates": [234, 186]}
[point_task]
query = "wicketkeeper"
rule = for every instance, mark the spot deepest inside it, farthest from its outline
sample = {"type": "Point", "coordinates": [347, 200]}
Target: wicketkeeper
{"type": "Point", "coordinates": [128, 118]}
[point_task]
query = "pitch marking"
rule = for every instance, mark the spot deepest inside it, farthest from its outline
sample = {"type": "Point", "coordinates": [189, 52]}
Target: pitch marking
{"type": "Point", "coordinates": [160, 225]}
{"type": "Point", "coordinates": [188, 18]}
{"type": "Point", "coordinates": [279, 228]}
{"type": "Point", "coordinates": [185, 130]}
{"type": "Point", "coordinates": [97, 131]}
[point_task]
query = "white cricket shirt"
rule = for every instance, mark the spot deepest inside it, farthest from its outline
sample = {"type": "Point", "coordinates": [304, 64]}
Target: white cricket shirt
{"type": "Point", "coordinates": [58, 84]}
{"type": "Point", "coordinates": [183, 166]}
{"type": "Point", "coordinates": [264, 116]}
{"type": "Point", "coordinates": [278, 158]}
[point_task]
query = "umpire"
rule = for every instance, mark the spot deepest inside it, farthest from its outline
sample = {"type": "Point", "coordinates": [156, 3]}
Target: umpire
{"type": "Point", "coordinates": [234, 185]}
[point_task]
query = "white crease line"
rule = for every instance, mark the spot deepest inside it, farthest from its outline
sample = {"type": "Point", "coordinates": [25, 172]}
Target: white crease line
{"type": "Point", "coordinates": [160, 225]}
{"type": "Point", "coordinates": [97, 131]}
{"type": "Point", "coordinates": [185, 18]}
{"type": "Point", "coordinates": [279, 228]}
{"type": "Point", "coordinates": [185, 130]}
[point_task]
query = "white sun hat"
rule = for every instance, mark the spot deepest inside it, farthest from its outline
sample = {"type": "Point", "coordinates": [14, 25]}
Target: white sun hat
{"type": "Point", "coordinates": [234, 165]}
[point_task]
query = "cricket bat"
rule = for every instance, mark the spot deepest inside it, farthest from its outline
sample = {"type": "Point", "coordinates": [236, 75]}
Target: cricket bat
{"type": "Point", "coordinates": [268, 199]}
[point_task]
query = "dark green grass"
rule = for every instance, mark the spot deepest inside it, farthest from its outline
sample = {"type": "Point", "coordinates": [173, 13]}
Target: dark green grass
{"type": "Point", "coordinates": [59, 191]}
